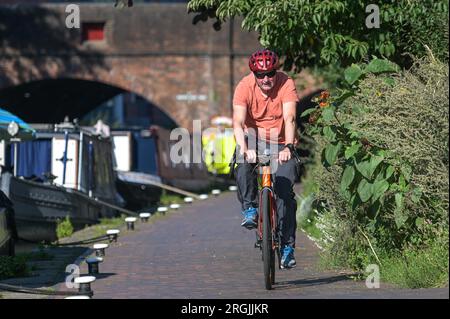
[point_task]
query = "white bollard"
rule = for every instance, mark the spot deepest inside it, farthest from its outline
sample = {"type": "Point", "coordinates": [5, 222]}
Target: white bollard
{"type": "Point", "coordinates": [215, 192]}
{"type": "Point", "coordinates": [203, 196]}
{"type": "Point", "coordinates": [144, 217]}
{"type": "Point", "coordinates": [93, 265]}
{"type": "Point", "coordinates": [100, 249]}
{"type": "Point", "coordinates": [174, 206]}
{"type": "Point", "coordinates": [112, 234]}
{"type": "Point", "coordinates": [78, 297]}
{"type": "Point", "coordinates": [162, 209]}
{"type": "Point", "coordinates": [130, 222]}
{"type": "Point", "coordinates": [85, 284]}
{"type": "Point", "coordinates": [188, 200]}
{"type": "Point", "coordinates": [232, 188]}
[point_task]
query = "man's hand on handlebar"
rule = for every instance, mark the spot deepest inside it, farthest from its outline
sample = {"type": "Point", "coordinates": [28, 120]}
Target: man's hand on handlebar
{"type": "Point", "coordinates": [250, 156]}
{"type": "Point", "coordinates": [284, 156]}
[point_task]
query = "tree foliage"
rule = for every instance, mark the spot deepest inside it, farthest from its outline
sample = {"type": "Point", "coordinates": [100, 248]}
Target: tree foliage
{"type": "Point", "coordinates": [318, 32]}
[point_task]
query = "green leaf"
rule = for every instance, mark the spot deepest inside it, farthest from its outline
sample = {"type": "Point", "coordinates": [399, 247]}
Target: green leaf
{"type": "Point", "coordinates": [313, 130]}
{"type": "Point", "coordinates": [389, 171]}
{"type": "Point", "coordinates": [352, 150]}
{"type": "Point", "coordinates": [352, 73]}
{"type": "Point", "coordinates": [379, 66]}
{"type": "Point", "coordinates": [347, 177]}
{"type": "Point", "coordinates": [399, 216]}
{"type": "Point", "coordinates": [389, 81]}
{"type": "Point", "coordinates": [328, 113]}
{"type": "Point", "coordinates": [366, 168]}
{"type": "Point", "coordinates": [416, 195]}
{"type": "Point", "coordinates": [399, 200]}
{"type": "Point", "coordinates": [379, 177]}
{"type": "Point", "coordinates": [379, 188]}
{"type": "Point", "coordinates": [331, 152]}
{"type": "Point", "coordinates": [346, 194]}
{"type": "Point", "coordinates": [329, 133]}
{"type": "Point", "coordinates": [406, 171]}
{"type": "Point", "coordinates": [402, 182]}
{"type": "Point", "coordinates": [307, 112]}
{"type": "Point", "coordinates": [375, 161]}
{"type": "Point", "coordinates": [364, 190]}
{"type": "Point", "coordinates": [323, 159]}
{"type": "Point", "coordinates": [345, 95]}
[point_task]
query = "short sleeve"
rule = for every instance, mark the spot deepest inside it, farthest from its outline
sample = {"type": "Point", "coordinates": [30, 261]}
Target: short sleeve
{"type": "Point", "coordinates": [241, 94]}
{"type": "Point", "coordinates": [289, 92]}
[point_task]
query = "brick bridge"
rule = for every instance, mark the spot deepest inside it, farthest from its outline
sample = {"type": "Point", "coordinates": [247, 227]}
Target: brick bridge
{"type": "Point", "coordinates": [153, 50]}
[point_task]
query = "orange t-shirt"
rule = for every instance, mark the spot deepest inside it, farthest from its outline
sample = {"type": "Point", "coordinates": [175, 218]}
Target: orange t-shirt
{"type": "Point", "coordinates": [265, 113]}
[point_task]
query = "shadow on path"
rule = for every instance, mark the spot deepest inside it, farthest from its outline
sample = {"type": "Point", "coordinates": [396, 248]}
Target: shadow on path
{"type": "Point", "coordinates": [104, 275]}
{"type": "Point", "coordinates": [283, 285]}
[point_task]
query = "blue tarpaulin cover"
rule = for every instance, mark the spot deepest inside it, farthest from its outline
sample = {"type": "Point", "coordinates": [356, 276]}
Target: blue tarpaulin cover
{"type": "Point", "coordinates": [25, 131]}
{"type": "Point", "coordinates": [34, 158]}
{"type": "Point", "coordinates": [145, 154]}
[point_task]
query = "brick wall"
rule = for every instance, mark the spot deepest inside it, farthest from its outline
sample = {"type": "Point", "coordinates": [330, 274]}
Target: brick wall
{"type": "Point", "coordinates": [151, 49]}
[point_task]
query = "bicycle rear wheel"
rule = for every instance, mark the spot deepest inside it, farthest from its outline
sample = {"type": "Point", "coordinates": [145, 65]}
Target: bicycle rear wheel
{"type": "Point", "coordinates": [267, 251]}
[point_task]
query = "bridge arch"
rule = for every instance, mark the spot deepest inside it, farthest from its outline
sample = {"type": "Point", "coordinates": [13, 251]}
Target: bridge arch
{"type": "Point", "coordinates": [51, 100]}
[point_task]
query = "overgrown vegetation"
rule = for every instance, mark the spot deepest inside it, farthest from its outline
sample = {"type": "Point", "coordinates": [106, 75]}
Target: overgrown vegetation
{"type": "Point", "coordinates": [11, 267]}
{"type": "Point", "coordinates": [108, 223]}
{"type": "Point", "coordinates": [168, 198]}
{"type": "Point", "coordinates": [382, 188]}
{"type": "Point", "coordinates": [64, 228]}
{"type": "Point", "coordinates": [310, 33]}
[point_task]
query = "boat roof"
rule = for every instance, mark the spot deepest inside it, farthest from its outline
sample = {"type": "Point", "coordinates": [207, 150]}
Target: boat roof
{"type": "Point", "coordinates": [25, 130]}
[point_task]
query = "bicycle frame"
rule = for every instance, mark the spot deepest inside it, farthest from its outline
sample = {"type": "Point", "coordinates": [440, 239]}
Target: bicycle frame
{"type": "Point", "coordinates": [266, 183]}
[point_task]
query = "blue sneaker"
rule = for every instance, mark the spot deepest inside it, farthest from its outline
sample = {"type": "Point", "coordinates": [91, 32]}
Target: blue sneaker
{"type": "Point", "coordinates": [288, 259]}
{"type": "Point", "coordinates": [250, 220]}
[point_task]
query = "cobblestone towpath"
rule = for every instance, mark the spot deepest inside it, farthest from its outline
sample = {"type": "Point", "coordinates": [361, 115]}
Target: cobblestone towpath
{"type": "Point", "coordinates": [201, 251]}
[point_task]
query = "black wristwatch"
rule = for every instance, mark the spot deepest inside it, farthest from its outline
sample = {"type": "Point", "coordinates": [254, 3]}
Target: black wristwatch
{"type": "Point", "coordinates": [290, 146]}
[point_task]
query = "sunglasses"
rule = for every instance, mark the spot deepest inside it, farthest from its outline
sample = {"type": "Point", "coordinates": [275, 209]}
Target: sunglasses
{"type": "Point", "coordinates": [262, 75]}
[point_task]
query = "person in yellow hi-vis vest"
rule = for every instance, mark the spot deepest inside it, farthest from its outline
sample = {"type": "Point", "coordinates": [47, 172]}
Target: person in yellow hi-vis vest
{"type": "Point", "coordinates": [218, 145]}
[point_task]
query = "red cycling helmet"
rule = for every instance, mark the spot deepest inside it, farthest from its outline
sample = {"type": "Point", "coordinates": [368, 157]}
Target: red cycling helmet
{"type": "Point", "coordinates": [263, 60]}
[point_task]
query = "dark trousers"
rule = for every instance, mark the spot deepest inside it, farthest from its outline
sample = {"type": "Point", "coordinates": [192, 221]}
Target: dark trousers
{"type": "Point", "coordinates": [284, 178]}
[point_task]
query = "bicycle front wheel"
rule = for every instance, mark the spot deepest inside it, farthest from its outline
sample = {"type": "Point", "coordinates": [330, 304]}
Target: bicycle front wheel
{"type": "Point", "coordinates": [267, 251]}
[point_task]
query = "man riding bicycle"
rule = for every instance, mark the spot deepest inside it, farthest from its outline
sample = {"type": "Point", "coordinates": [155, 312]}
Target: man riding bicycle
{"type": "Point", "coordinates": [264, 110]}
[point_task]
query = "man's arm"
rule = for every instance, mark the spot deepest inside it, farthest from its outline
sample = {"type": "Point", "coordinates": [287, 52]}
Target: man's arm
{"type": "Point", "coordinates": [239, 115]}
{"type": "Point", "coordinates": [289, 115]}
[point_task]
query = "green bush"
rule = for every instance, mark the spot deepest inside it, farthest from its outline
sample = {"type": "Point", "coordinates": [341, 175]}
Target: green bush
{"type": "Point", "coordinates": [402, 121]}
{"type": "Point", "coordinates": [11, 267]}
{"type": "Point", "coordinates": [64, 228]}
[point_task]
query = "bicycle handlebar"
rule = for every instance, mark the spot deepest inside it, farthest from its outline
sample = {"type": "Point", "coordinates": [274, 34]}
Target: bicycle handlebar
{"type": "Point", "coordinates": [267, 158]}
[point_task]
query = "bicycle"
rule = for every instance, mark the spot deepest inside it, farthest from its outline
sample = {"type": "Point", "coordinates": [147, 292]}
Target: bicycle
{"type": "Point", "coordinates": [267, 235]}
